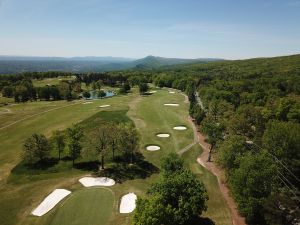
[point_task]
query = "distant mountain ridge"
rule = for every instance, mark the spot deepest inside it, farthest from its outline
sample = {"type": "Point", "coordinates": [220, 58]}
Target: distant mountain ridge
{"type": "Point", "coordinates": [17, 64]}
{"type": "Point", "coordinates": [77, 58]}
{"type": "Point", "coordinates": [155, 61]}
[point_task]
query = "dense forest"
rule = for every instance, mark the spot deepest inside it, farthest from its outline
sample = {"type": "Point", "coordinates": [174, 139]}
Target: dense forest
{"type": "Point", "coordinates": [251, 115]}
{"type": "Point", "coordinates": [248, 109]}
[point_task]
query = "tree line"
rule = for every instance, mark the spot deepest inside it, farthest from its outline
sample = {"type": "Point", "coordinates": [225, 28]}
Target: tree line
{"type": "Point", "coordinates": [108, 139]}
{"type": "Point", "coordinates": [21, 88]}
{"type": "Point", "coordinates": [24, 90]}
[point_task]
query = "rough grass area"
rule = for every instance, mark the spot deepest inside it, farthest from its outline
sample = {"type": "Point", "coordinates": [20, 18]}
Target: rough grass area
{"type": "Point", "coordinates": [4, 101]}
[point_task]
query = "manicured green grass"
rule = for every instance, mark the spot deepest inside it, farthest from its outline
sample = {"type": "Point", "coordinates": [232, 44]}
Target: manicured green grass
{"type": "Point", "coordinates": [217, 209]}
{"type": "Point", "coordinates": [15, 112]}
{"type": "Point", "coordinates": [151, 116]}
{"type": "Point", "coordinates": [92, 206]}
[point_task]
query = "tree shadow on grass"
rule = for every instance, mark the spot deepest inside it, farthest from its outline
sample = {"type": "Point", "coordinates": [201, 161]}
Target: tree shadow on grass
{"type": "Point", "coordinates": [201, 221]}
{"type": "Point", "coordinates": [52, 165]}
{"type": "Point", "coordinates": [87, 166]}
{"type": "Point", "coordinates": [25, 168]}
{"type": "Point", "coordinates": [121, 170]}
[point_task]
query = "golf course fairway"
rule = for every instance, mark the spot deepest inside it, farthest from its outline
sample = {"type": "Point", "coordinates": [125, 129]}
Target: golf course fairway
{"type": "Point", "coordinates": [21, 192]}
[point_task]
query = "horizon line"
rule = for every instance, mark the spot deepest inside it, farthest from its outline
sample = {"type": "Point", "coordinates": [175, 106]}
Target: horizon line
{"type": "Point", "coordinates": [130, 58]}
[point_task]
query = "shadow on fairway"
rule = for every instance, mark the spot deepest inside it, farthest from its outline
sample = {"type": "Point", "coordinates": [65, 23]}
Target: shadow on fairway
{"type": "Point", "coordinates": [48, 168]}
{"type": "Point", "coordinates": [122, 170]}
{"type": "Point", "coordinates": [201, 220]}
{"type": "Point", "coordinates": [87, 166]}
{"type": "Point", "coordinates": [25, 168]}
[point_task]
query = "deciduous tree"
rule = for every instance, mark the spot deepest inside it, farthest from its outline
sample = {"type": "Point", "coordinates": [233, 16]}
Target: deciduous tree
{"type": "Point", "coordinates": [36, 148]}
{"type": "Point", "coordinates": [59, 142]}
{"type": "Point", "coordinates": [75, 134]}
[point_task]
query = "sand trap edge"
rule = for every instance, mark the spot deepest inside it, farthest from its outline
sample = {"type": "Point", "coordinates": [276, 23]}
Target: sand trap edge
{"type": "Point", "coordinates": [152, 148]}
{"type": "Point", "coordinates": [128, 203]}
{"type": "Point", "coordinates": [96, 181]}
{"type": "Point", "coordinates": [181, 127]}
{"type": "Point", "coordinates": [50, 202]}
{"type": "Point", "coordinates": [163, 135]}
{"type": "Point", "coordinates": [104, 106]}
{"type": "Point", "coordinates": [171, 104]}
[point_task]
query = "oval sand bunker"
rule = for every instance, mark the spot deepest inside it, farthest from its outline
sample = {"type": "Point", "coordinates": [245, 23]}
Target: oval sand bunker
{"type": "Point", "coordinates": [180, 128]}
{"type": "Point", "coordinates": [104, 106]}
{"type": "Point", "coordinates": [163, 135]}
{"type": "Point", "coordinates": [171, 104]}
{"type": "Point", "coordinates": [128, 203]}
{"type": "Point", "coordinates": [96, 181]}
{"type": "Point", "coordinates": [153, 148]}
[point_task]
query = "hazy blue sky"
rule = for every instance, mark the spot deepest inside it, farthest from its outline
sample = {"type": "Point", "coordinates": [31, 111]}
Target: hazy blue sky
{"type": "Point", "coordinates": [136, 28]}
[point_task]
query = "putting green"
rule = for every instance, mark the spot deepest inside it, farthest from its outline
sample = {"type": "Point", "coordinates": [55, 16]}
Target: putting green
{"type": "Point", "coordinates": [88, 206]}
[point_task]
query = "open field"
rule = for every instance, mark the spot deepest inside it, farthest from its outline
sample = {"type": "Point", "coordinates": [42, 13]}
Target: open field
{"type": "Point", "coordinates": [19, 198]}
{"type": "Point", "coordinates": [50, 81]}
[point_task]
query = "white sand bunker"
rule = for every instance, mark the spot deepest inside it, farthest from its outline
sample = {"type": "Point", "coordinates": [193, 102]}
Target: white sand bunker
{"type": "Point", "coordinates": [50, 201]}
{"type": "Point", "coordinates": [151, 92]}
{"type": "Point", "coordinates": [96, 181]}
{"type": "Point", "coordinates": [163, 135]}
{"type": "Point", "coordinates": [87, 103]}
{"type": "Point", "coordinates": [128, 203]}
{"type": "Point", "coordinates": [171, 104]}
{"type": "Point", "coordinates": [180, 128]}
{"type": "Point", "coordinates": [172, 92]}
{"type": "Point", "coordinates": [104, 106]}
{"type": "Point", "coordinates": [153, 148]}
